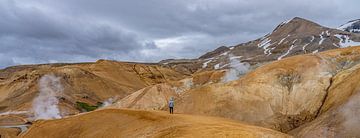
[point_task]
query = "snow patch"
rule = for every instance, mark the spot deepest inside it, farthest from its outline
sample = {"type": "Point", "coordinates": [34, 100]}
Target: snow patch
{"type": "Point", "coordinates": [234, 57]}
{"type": "Point", "coordinates": [321, 38]}
{"type": "Point", "coordinates": [316, 51]}
{"type": "Point", "coordinates": [265, 44]}
{"type": "Point", "coordinates": [285, 22]}
{"type": "Point", "coordinates": [287, 52]}
{"type": "Point", "coordinates": [217, 66]}
{"type": "Point", "coordinates": [355, 30]}
{"type": "Point", "coordinates": [223, 66]}
{"type": "Point", "coordinates": [294, 41]}
{"type": "Point", "coordinates": [327, 33]}
{"type": "Point", "coordinates": [205, 64]}
{"type": "Point", "coordinates": [349, 26]}
{"type": "Point", "coordinates": [283, 39]}
{"type": "Point", "coordinates": [345, 41]}
{"type": "Point", "coordinates": [344, 26]}
{"type": "Point", "coordinates": [304, 47]}
{"type": "Point", "coordinates": [224, 54]}
{"type": "Point", "coordinates": [312, 39]}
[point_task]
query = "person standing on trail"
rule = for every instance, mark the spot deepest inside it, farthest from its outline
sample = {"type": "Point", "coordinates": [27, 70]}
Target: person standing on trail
{"type": "Point", "coordinates": [171, 105]}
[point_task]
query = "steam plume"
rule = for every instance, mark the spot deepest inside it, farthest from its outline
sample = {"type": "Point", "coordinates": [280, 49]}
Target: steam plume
{"type": "Point", "coordinates": [237, 68]}
{"type": "Point", "coordinates": [351, 111]}
{"type": "Point", "coordinates": [45, 105]}
{"type": "Point", "coordinates": [109, 101]}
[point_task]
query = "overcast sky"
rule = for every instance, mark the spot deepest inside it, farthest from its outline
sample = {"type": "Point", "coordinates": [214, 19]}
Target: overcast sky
{"type": "Point", "coordinates": [49, 31]}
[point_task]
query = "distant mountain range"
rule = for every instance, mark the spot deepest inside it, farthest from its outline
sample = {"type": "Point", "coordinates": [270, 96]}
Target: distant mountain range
{"type": "Point", "coordinates": [292, 37]}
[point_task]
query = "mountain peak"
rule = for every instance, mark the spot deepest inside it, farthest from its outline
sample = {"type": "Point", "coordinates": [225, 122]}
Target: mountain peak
{"type": "Point", "coordinates": [296, 24]}
{"type": "Point", "coordinates": [300, 19]}
{"type": "Point", "coordinates": [352, 26]}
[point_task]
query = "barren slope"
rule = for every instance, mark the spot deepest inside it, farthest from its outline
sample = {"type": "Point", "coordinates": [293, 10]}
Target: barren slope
{"type": "Point", "coordinates": [88, 82]}
{"type": "Point", "coordinates": [133, 123]}
{"type": "Point", "coordinates": [281, 95]}
{"type": "Point", "coordinates": [156, 97]}
{"type": "Point", "coordinates": [339, 113]}
{"type": "Point", "coordinates": [149, 98]}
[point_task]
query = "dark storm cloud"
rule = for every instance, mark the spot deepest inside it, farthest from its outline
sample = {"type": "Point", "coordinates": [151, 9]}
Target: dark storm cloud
{"type": "Point", "coordinates": [36, 34]}
{"type": "Point", "coordinates": [41, 31]}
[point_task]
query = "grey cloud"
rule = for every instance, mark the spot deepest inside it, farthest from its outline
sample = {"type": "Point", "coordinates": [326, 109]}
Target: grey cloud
{"type": "Point", "coordinates": [41, 31]}
{"type": "Point", "coordinates": [34, 35]}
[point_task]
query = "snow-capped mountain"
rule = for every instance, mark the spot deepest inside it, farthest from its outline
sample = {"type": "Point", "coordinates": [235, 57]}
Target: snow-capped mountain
{"type": "Point", "coordinates": [292, 37]}
{"type": "Point", "coordinates": [351, 26]}
{"type": "Point", "coordinates": [296, 36]}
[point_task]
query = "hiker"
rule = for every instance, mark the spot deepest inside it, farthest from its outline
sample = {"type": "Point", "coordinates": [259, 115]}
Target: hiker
{"type": "Point", "coordinates": [171, 105]}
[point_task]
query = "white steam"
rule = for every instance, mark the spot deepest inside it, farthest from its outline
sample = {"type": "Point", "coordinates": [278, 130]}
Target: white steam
{"type": "Point", "coordinates": [45, 105]}
{"type": "Point", "coordinates": [187, 84]}
{"type": "Point", "coordinates": [109, 101]}
{"type": "Point", "coordinates": [351, 111]}
{"type": "Point", "coordinates": [237, 68]}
